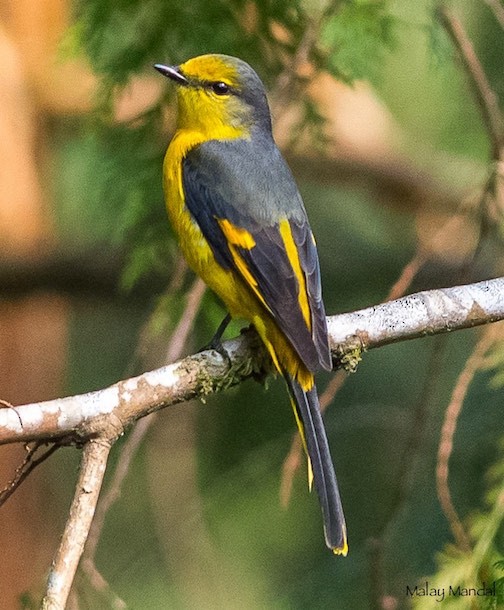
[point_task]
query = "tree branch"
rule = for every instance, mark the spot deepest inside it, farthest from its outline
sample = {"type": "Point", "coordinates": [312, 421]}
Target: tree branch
{"type": "Point", "coordinates": [430, 312]}
{"type": "Point", "coordinates": [498, 10]}
{"type": "Point", "coordinates": [61, 575]}
{"type": "Point", "coordinates": [83, 417]}
{"type": "Point", "coordinates": [25, 469]}
{"type": "Point", "coordinates": [453, 410]}
{"type": "Point", "coordinates": [484, 93]}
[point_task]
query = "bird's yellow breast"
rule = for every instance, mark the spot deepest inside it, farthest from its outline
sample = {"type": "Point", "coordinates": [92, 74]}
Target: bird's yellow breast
{"type": "Point", "coordinates": [195, 248]}
{"type": "Point", "coordinates": [239, 298]}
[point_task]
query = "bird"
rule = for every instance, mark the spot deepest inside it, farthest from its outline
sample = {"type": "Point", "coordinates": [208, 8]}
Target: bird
{"type": "Point", "coordinates": [243, 228]}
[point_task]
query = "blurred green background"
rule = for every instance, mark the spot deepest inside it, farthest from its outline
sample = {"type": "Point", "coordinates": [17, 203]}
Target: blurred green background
{"type": "Point", "coordinates": [386, 141]}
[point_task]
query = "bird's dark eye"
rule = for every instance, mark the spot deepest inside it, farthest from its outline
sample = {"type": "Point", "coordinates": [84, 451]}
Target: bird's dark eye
{"type": "Point", "coordinates": [220, 88]}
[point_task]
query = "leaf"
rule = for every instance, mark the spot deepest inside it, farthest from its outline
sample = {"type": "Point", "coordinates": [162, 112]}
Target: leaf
{"type": "Point", "coordinates": [357, 37]}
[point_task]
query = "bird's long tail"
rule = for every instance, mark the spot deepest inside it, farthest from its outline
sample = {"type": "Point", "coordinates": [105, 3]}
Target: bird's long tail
{"type": "Point", "coordinates": [309, 419]}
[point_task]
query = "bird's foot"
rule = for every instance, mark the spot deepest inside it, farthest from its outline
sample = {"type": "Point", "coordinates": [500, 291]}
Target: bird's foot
{"type": "Point", "coordinates": [216, 341]}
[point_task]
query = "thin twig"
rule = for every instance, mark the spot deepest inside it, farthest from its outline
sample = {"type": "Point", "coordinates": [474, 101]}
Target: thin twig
{"type": "Point", "coordinates": [183, 328]}
{"type": "Point", "coordinates": [333, 387]}
{"type": "Point", "coordinates": [25, 469]}
{"type": "Point", "coordinates": [452, 413]}
{"type": "Point", "coordinates": [408, 274]}
{"type": "Point", "coordinates": [498, 10]}
{"type": "Point", "coordinates": [290, 466]}
{"type": "Point", "coordinates": [282, 93]}
{"type": "Point", "coordinates": [484, 93]}
{"type": "Point", "coordinates": [291, 76]}
{"type": "Point", "coordinates": [147, 349]}
{"type": "Point", "coordinates": [441, 235]}
{"type": "Point", "coordinates": [62, 573]}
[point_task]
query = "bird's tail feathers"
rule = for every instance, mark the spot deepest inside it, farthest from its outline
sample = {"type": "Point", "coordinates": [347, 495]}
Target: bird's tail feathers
{"type": "Point", "coordinates": [320, 466]}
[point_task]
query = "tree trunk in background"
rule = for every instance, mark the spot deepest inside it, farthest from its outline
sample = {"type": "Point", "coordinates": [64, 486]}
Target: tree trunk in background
{"type": "Point", "coordinates": [32, 357]}
{"type": "Point", "coordinates": [33, 329]}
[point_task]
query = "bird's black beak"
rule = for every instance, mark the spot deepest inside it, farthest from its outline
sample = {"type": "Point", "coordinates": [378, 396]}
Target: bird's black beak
{"type": "Point", "coordinates": [172, 72]}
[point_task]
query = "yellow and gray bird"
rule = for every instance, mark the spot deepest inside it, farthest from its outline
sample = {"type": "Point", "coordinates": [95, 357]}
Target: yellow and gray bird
{"type": "Point", "coordinates": [242, 227]}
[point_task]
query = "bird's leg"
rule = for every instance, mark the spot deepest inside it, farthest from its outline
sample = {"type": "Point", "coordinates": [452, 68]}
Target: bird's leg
{"type": "Point", "coordinates": [215, 342]}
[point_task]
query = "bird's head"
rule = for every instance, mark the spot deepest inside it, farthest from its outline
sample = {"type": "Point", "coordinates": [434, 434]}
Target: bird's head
{"type": "Point", "coordinates": [219, 93]}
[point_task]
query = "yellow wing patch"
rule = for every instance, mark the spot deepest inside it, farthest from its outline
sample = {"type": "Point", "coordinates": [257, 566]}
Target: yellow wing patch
{"type": "Point", "coordinates": [236, 235]}
{"type": "Point", "coordinates": [292, 253]}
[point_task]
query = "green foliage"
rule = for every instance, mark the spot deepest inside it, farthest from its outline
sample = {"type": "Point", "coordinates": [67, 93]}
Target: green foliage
{"type": "Point", "coordinates": [484, 565]}
{"type": "Point", "coordinates": [122, 39]}
{"type": "Point", "coordinates": [131, 190]}
{"type": "Point", "coordinates": [439, 44]}
{"type": "Point", "coordinates": [116, 196]}
{"type": "Point", "coordinates": [28, 602]}
{"type": "Point", "coordinates": [357, 36]}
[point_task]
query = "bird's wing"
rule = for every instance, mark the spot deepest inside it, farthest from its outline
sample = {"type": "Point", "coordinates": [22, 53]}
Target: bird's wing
{"type": "Point", "coordinates": [251, 214]}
